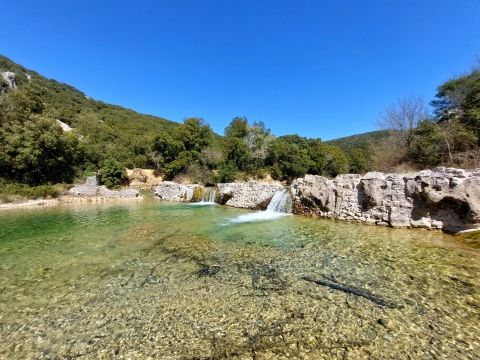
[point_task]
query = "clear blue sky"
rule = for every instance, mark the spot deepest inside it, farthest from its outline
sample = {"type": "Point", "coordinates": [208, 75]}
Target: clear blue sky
{"type": "Point", "coordinates": [317, 68]}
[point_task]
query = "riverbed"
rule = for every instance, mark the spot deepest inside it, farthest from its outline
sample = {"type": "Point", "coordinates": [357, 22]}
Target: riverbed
{"type": "Point", "coordinates": [146, 279]}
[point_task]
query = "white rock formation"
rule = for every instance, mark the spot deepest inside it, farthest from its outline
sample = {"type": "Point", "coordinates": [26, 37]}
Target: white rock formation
{"type": "Point", "coordinates": [9, 78]}
{"type": "Point", "coordinates": [65, 127]}
{"type": "Point", "coordinates": [92, 189]}
{"type": "Point", "coordinates": [443, 198]}
{"type": "Point", "coordinates": [250, 195]}
{"type": "Point", "coordinates": [171, 191]}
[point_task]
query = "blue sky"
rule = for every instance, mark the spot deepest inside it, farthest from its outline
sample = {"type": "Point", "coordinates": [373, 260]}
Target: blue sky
{"type": "Point", "coordinates": [316, 68]}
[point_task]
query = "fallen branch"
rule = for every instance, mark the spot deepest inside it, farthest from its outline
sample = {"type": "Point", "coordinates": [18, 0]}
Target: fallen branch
{"type": "Point", "coordinates": [354, 291]}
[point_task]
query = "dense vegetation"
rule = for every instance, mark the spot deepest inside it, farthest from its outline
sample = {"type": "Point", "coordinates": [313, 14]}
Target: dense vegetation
{"type": "Point", "coordinates": [34, 150]}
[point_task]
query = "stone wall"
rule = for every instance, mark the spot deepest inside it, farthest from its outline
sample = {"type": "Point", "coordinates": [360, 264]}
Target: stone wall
{"type": "Point", "coordinates": [443, 198]}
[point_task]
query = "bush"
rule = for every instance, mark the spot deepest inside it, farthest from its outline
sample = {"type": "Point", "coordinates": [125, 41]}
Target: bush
{"type": "Point", "coordinates": [227, 172]}
{"type": "Point", "coordinates": [112, 174]}
{"type": "Point", "coordinates": [14, 191]}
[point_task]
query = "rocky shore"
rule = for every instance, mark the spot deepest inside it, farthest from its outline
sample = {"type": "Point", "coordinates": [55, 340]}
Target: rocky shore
{"type": "Point", "coordinates": [91, 189]}
{"type": "Point", "coordinates": [443, 198]}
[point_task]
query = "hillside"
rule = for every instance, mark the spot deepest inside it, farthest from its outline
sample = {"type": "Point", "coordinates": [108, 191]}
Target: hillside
{"type": "Point", "coordinates": [34, 149]}
{"type": "Point", "coordinates": [121, 130]}
{"type": "Point", "coordinates": [347, 143]}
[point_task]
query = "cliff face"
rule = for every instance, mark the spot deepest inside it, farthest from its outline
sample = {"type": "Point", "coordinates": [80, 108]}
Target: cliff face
{"type": "Point", "coordinates": [443, 198]}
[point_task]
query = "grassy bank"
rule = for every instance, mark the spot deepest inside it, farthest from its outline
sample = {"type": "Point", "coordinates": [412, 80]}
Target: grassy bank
{"type": "Point", "coordinates": [12, 192]}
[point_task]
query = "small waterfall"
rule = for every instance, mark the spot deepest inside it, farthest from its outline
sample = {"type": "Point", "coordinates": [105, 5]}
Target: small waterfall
{"type": "Point", "coordinates": [279, 206]}
{"type": "Point", "coordinates": [208, 197]}
{"type": "Point", "coordinates": [281, 202]}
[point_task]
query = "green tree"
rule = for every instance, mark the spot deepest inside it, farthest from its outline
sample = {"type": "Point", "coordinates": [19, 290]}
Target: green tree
{"type": "Point", "coordinates": [458, 101]}
{"type": "Point", "coordinates": [291, 159]}
{"type": "Point", "coordinates": [337, 161]}
{"type": "Point", "coordinates": [427, 148]}
{"type": "Point", "coordinates": [33, 148]}
{"type": "Point", "coordinates": [195, 134]}
{"type": "Point", "coordinates": [238, 128]}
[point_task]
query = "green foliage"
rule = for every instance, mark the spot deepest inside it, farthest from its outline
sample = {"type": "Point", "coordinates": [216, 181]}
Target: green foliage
{"type": "Point", "coordinates": [290, 155]}
{"type": "Point", "coordinates": [10, 191]}
{"type": "Point", "coordinates": [227, 172]}
{"type": "Point", "coordinates": [33, 148]}
{"type": "Point", "coordinates": [195, 135]}
{"type": "Point", "coordinates": [113, 174]}
{"type": "Point", "coordinates": [337, 161]}
{"type": "Point", "coordinates": [459, 100]}
{"type": "Point", "coordinates": [238, 128]}
{"type": "Point", "coordinates": [427, 144]}
{"type": "Point", "coordinates": [360, 158]}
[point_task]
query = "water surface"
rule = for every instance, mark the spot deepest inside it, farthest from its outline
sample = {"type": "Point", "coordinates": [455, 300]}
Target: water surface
{"type": "Point", "coordinates": [151, 280]}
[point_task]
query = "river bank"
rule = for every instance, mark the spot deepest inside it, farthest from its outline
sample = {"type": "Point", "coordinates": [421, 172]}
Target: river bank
{"type": "Point", "coordinates": [444, 199]}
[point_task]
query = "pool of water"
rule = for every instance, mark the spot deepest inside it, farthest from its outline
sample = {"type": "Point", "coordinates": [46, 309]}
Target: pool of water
{"type": "Point", "coordinates": [152, 280]}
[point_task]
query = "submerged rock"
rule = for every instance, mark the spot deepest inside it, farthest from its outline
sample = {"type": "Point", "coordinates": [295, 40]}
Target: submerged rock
{"type": "Point", "coordinates": [443, 198]}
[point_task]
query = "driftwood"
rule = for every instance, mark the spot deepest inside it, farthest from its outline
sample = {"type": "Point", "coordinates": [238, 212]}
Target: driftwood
{"type": "Point", "coordinates": [352, 290]}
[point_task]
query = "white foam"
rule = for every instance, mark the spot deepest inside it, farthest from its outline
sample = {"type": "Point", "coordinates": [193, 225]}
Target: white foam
{"type": "Point", "coordinates": [203, 203]}
{"type": "Point", "coordinates": [258, 216]}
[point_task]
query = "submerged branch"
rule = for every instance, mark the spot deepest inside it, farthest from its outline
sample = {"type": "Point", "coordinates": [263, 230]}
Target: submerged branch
{"type": "Point", "coordinates": [354, 291]}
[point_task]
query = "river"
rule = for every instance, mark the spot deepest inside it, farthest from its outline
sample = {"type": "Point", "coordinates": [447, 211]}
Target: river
{"type": "Point", "coordinates": [173, 281]}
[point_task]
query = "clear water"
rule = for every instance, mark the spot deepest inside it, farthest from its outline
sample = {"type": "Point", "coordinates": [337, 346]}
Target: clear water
{"type": "Point", "coordinates": [150, 280]}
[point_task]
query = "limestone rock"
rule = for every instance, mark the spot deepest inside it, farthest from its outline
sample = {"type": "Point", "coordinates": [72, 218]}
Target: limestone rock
{"type": "Point", "coordinates": [9, 79]}
{"type": "Point", "coordinates": [171, 191]}
{"type": "Point", "coordinates": [92, 189]}
{"type": "Point", "coordinates": [250, 195]}
{"type": "Point", "coordinates": [445, 198]}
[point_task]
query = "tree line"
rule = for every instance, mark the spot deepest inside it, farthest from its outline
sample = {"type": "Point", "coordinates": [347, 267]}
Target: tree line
{"type": "Point", "coordinates": [34, 150]}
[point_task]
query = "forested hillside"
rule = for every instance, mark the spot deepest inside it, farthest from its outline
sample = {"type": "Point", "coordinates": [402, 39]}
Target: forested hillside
{"type": "Point", "coordinates": [34, 149]}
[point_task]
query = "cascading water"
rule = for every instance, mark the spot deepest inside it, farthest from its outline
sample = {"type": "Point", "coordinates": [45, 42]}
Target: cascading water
{"type": "Point", "coordinates": [279, 206]}
{"type": "Point", "coordinates": [281, 202]}
{"type": "Point", "coordinates": [208, 197]}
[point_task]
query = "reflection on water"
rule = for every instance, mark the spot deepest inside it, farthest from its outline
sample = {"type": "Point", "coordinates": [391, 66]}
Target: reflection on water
{"type": "Point", "coordinates": [145, 279]}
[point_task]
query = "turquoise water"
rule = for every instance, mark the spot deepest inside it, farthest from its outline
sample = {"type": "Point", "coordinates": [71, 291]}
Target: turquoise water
{"type": "Point", "coordinates": [152, 280]}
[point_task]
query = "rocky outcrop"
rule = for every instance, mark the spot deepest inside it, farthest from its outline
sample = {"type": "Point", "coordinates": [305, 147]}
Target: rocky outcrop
{"type": "Point", "coordinates": [443, 198]}
{"type": "Point", "coordinates": [92, 189]}
{"type": "Point", "coordinates": [250, 195]}
{"type": "Point", "coordinates": [9, 80]}
{"type": "Point", "coordinates": [143, 178]}
{"type": "Point", "coordinates": [171, 191]}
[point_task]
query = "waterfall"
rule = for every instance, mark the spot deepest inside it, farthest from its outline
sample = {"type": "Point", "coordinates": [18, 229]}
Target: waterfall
{"type": "Point", "coordinates": [281, 202]}
{"type": "Point", "coordinates": [208, 197]}
{"type": "Point", "coordinates": [279, 206]}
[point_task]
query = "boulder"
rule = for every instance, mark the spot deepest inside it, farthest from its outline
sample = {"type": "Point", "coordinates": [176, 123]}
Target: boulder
{"type": "Point", "coordinates": [9, 80]}
{"type": "Point", "coordinates": [171, 191]}
{"type": "Point", "coordinates": [249, 195]}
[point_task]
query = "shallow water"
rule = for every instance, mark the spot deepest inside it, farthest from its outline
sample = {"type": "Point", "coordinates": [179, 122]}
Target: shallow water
{"type": "Point", "coordinates": [151, 280]}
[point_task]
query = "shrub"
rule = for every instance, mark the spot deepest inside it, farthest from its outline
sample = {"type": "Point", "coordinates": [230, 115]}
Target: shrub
{"type": "Point", "coordinates": [227, 172]}
{"type": "Point", "coordinates": [112, 174]}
